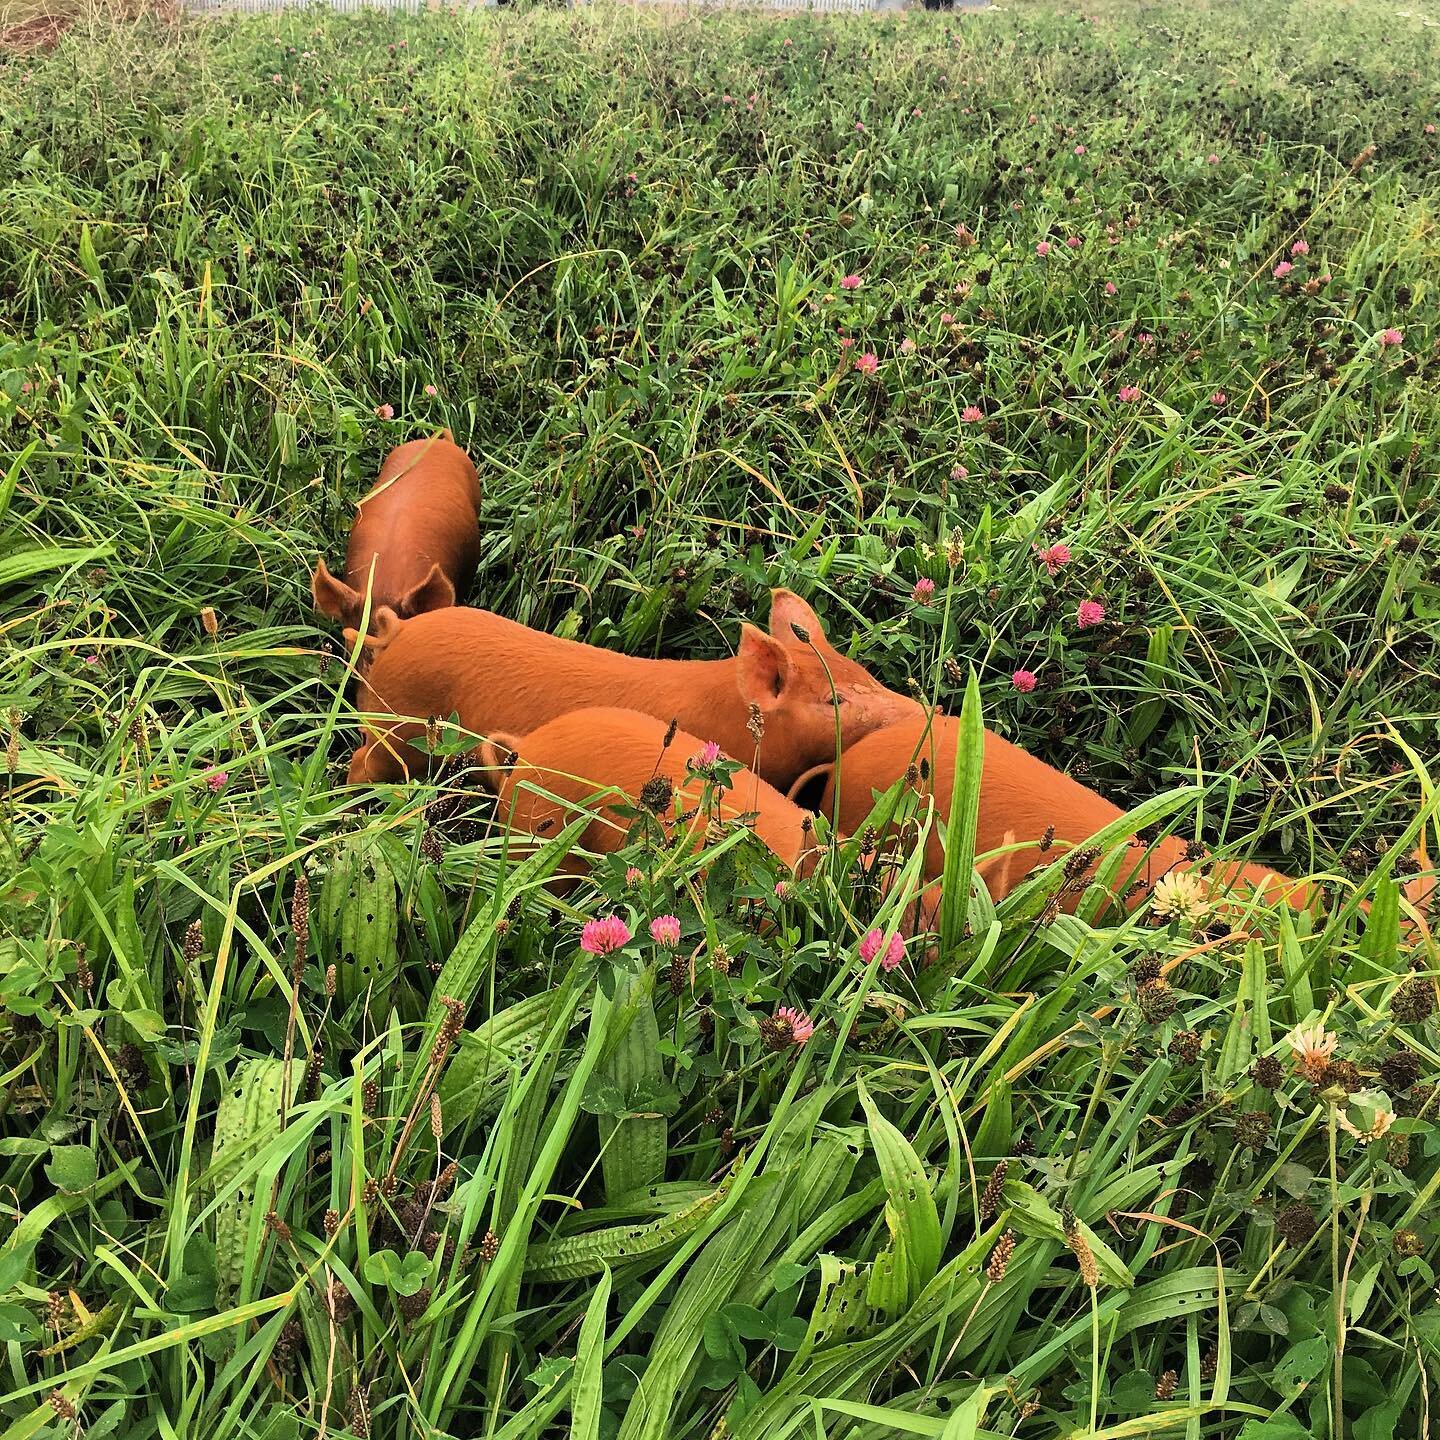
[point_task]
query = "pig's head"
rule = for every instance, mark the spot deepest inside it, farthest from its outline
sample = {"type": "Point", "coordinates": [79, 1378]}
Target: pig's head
{"type": "Point", "coordinates": [803, 685]}
{"type": "Point", "coordinates": [432, 591]}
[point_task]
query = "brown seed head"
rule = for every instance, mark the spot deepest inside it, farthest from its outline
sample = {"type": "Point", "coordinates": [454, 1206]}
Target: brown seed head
{"type": "Point", "coordinates": [1398, 1072]}
{"type": "Point", "coordinates": [1407, 1243]}
{"type": "Point", "coordinates": [1145, 968]}
{"type": "Point", "coordinates": [339, 1302]}
{"type": "Point", "coordinates": [360, 1412]}
{"type": "Point", "coordinates": [755, 723]}
{"type": "Point", "coordinates": [194, 943]}
{"type": "Point", "coordinates": [1252, 1129]}
{"type": "Point", "coordinates": [1413, 1001]}
{"type": "Point", "coordinates": [657, 793]}
{"type": "Point", "coordinates": [287, 1344]}
{"type": "Point", "coordinates": [1185, 1046]}
{"type": "Point", "coordinates": [1296, 1223]}
{"type": "Point", "coordinates": [994, 1188]}
{"type": "Point", "coordinates": [450, 1028]}
{"type": "Point", "coordinates": [300, 920]}
{"type": "Point", "coordinates": [1156, 1001]}
{"type": "Point", "coordinates": [314, 1069]}
{"type": "Point", "coordinates": [1080, 1248]}
{"type": "Point", "coordinates": [1000, 1258]}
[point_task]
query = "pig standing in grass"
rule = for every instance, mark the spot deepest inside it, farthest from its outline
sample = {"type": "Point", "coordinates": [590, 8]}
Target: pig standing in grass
{"type": "Point", "coordinates": [416, 540]}
{"type": "Point", "coordinates": [776, 702]}
{"type": "Point", "coordinates": [1030, 814]}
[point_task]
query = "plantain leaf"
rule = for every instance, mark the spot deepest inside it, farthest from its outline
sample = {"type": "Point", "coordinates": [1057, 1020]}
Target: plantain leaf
{"type": "Point", "coordinates": [910, 1211]}
{"type": "Point", "coordinates": [24, 564]}
{"type": "Point", "coordinates": [959, 874]}
{"type": "Point", "coordinates": [585, 1408]}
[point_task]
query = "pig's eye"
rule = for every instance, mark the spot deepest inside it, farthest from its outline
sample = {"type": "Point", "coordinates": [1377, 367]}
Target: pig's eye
{"type": "Point", "coordinates": [842, 699]}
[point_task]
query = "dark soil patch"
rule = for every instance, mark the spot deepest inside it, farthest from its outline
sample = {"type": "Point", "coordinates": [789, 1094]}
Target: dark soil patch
{"type": "Point", "coordinates": [39, 32]}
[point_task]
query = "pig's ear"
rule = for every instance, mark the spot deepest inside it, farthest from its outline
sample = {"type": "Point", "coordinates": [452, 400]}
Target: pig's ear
{"type": "Point", "coordinates": [787, 611]}
{"type": "Point", "coordinates": [333, 597]}
{"type": "Point", "coordinates": [764, 667]}
{"type": "Point", "coordinates": [359, 765]}
{"type": "Point", "coordinates": [435, 592]}
{"type": "Point", "coordinates": [497, 757]}
{"type": "Point", "coordinates": [809, 789]}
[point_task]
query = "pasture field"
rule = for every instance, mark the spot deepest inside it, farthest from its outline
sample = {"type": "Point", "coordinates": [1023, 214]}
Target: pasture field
{"type": "Point", "coordinates": [305, 1093]}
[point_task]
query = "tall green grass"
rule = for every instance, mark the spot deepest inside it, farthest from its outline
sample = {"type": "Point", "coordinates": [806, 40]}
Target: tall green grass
{"type": "Point", "coordinates": [1070, 1177]}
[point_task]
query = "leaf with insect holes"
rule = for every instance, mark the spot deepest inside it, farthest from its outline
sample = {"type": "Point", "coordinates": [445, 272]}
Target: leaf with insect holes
{"type": "Point", "coordinates": [910, 1211]}
{"type": "Point", "coordinates": [1300, 1364]}
{"type": "Point", "coordinates": [357, 921]}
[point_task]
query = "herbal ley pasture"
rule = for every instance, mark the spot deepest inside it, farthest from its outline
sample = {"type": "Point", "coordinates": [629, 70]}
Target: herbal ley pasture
{"type": "Point", "coordinates": [1096, 354]}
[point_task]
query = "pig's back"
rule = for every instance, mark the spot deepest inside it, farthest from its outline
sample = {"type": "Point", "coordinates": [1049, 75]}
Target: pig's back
{"type": "Point", "coordinates": [422, 511]}
{"type": "Point", "coordinates": [590, 750]}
